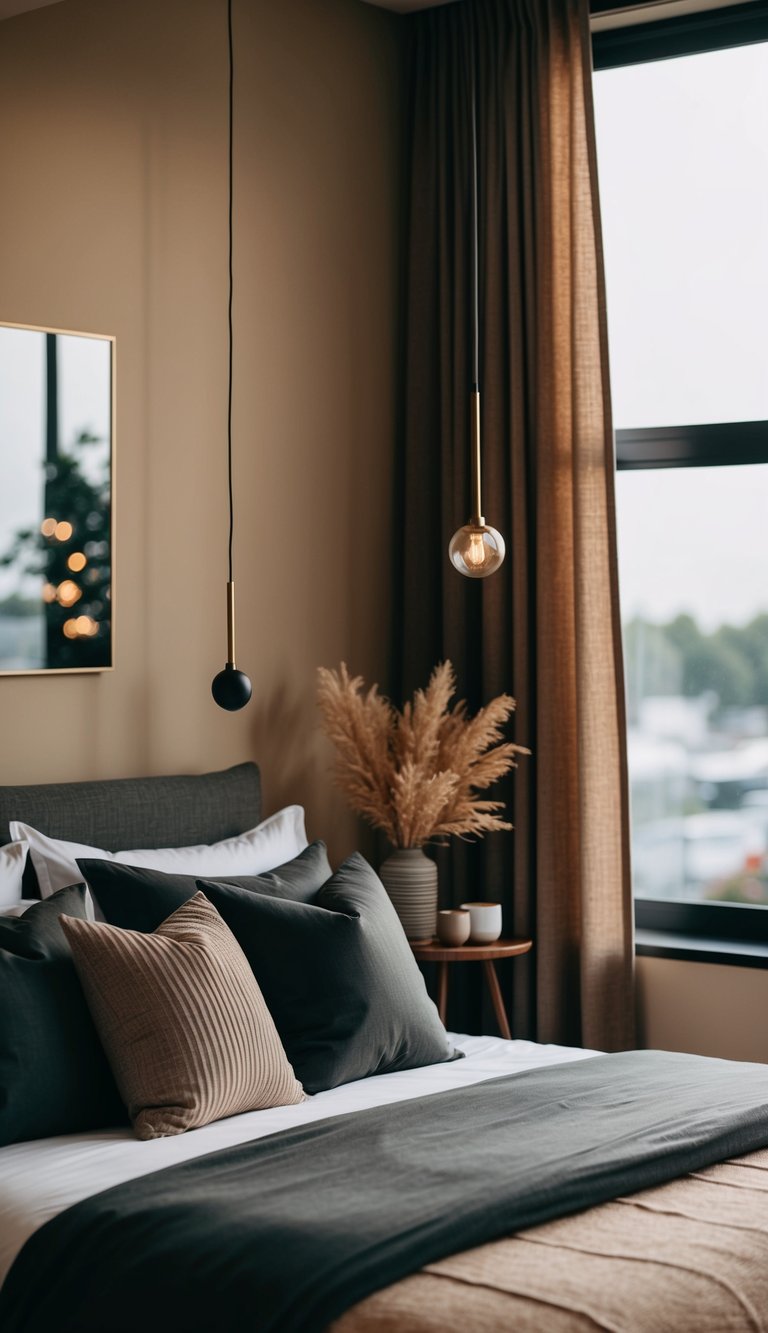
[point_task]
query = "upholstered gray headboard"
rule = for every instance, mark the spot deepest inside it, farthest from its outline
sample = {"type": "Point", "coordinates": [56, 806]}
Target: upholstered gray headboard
{"type": "Point", "coordinates": [138, 812]}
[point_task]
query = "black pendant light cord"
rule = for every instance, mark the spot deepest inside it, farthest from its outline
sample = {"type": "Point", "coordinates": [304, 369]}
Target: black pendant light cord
{"type": "Point", "coordinates": [231, 689]}
{"type": "Point", "coordinates": [475, 282]}
{"type": "Point", "coordinates": [229, 310]}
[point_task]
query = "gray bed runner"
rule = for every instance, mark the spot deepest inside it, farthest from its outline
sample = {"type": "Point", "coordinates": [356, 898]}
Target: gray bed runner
{"type": "Point", "coordinates": [284, 1234]}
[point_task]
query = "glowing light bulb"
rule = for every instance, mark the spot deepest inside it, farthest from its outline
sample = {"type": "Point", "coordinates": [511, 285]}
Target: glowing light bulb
{"type": "Point", "coordinates": [474, 554]}
{"type": "Point", "coordinates": [63, 531]}
{"type": "Point", "coordinates": [76, 562]}
{"type": "Point", "coordinates": [48, 527]}
{"type": "Point", "coordinates": [476, 550]}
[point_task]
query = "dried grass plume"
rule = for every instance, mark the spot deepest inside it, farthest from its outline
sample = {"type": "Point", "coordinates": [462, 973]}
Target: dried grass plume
{"type": "Point", "coordinates": [415, 774]}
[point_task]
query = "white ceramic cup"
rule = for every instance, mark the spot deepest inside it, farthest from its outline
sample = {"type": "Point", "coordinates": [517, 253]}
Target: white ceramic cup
{"type": "Point", "coordinates": [453, 926]}
{"type": "Point", "coordinates": [484, 921]}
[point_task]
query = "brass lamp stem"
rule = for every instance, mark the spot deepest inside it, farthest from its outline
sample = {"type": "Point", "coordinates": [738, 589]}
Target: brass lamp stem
{"type": "Point", "coordinates": [230, 624]}
{"type": "Point", "coordinates": [476, 517]}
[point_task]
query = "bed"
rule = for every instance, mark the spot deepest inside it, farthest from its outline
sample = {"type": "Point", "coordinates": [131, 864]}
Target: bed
{"type": "Point", "coordinates": [688, 1254]}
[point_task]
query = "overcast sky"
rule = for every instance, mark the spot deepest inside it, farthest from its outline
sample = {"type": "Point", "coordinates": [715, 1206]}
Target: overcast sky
{"type": "Point", "coordinates": [694, 539]}
{"type": "Point", "coordinates": [683, 170]}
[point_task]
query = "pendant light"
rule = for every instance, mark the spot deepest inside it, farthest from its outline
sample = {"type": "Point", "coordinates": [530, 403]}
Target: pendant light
{"type": "Point", "coordinates": [476, 550]}
{"type": "Point", "coordinates": [230, 688]}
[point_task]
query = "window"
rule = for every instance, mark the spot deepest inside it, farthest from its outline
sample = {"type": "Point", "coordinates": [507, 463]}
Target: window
{"type": "Point", "coordinates": [682, 135]}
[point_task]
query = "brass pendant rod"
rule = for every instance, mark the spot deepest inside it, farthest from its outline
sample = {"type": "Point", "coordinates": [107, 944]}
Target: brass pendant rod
{"type": "Point", "coordinates": [230, 624]}
{"type": "Point", "coordinates": [476, 516]}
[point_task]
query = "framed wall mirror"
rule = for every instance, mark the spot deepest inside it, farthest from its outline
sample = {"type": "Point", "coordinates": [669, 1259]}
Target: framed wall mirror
{"type": "Point", "coordinates": [57, 439]}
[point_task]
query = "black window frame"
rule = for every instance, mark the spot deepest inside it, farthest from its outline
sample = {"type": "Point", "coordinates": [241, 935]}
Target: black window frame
{"type": "Point", "coordinates": [664, 39]}
{"type": "Point", "coordinates": [718, 444]}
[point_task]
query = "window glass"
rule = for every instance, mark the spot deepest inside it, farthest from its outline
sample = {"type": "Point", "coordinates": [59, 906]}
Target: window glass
{"type": "Point", "coordinates": [693, 564]}
{"type": "Point", "coordinates": [683, 171]}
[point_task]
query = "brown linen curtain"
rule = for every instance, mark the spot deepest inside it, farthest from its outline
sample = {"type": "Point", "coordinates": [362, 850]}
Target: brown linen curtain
{"type": "Point", "coordinates": [546, 627]}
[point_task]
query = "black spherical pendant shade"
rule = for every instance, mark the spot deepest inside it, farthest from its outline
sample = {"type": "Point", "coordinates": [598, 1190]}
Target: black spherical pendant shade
{"type": "Point", "coordinates": [231, 689]}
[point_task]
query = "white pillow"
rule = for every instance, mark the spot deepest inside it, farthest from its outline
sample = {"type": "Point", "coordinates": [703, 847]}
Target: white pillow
{"type": "Point", "coordinates": [12, 860]}
{"type": "Point", "coordinates": [275, 840]}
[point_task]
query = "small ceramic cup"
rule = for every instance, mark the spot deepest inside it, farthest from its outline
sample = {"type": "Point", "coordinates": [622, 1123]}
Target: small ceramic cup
{"type": "Point", "coordinates": [484, 922]}
{"type": "Point", "coordinates": [453, 927]}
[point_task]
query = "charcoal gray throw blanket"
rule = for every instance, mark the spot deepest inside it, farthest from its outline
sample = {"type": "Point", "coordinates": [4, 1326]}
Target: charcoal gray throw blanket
{"type": "Point", "coordinates": [287, 1232]}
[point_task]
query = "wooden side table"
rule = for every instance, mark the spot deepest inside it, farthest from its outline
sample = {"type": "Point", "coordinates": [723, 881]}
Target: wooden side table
{"type": "Point", "coordinates": [433, 951]}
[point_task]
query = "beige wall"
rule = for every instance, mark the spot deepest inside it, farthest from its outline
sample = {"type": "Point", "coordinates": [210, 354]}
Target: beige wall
{"type": "Point", "coordinates": [113, 219]}
{"type": "Point", "coordinates": [705, 1008]}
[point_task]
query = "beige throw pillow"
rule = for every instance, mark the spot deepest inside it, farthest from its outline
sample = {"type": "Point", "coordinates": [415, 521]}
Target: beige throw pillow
{"type": "Point", "coordinates": [182, 1020]}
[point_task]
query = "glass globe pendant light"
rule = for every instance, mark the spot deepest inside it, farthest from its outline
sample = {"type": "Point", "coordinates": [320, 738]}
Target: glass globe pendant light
{"type": "Point", "coordinates": [476, 549]}
{"type": "Point", "coordinates": [230, 688]}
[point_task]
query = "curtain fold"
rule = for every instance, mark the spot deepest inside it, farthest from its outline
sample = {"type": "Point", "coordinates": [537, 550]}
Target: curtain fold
{"type": "Point", "coordinates": [546, 627]}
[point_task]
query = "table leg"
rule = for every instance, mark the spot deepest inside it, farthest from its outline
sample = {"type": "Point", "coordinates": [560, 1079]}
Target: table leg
{"type": "Point", "coordinates": [496, 998]}
{"type": "Point", "coordinates": [442, 991]}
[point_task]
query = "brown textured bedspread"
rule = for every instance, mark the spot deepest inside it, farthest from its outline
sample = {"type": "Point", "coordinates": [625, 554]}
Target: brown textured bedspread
{"type": "Point", "coordinates": [687, 1257]}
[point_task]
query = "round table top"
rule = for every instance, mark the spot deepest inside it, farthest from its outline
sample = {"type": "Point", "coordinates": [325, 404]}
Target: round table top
{"type": "Point", "coordinates": [432, 951]}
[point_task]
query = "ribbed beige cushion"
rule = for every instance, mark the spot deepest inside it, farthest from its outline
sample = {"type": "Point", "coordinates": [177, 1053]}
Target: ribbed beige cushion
{"type": "Point", "coordinates": [182, 1020]}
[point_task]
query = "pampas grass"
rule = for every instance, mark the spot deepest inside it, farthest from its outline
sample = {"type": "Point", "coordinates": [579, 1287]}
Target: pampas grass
{"type": "Point", "coordinates": [415, 774]}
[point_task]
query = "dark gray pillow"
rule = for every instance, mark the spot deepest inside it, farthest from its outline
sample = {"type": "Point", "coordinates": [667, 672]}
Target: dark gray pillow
{"type": "Point", "coordinates": [54, 1075]}
{"type": "Point", "coordinates": [140, 899]}
{"type": "Point", "coordinates": [337, 973]}
{"type": "Point", "coordinates": [338, 977]}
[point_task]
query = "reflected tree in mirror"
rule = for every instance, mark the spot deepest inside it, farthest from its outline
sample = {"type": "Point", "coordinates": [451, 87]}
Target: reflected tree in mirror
{"type": "Point", "coordinates": [55, 519]}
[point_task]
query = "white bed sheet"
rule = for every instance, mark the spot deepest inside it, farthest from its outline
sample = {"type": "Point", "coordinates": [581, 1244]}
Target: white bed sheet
{"type": "Point", "coordinates": [42, 1178]}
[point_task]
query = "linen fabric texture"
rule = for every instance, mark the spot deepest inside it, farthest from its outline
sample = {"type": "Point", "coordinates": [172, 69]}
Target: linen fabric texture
{"type": "Point", "coordinates": [168, 811]}
{"type": "Point", "coordinates": [172, 811]}
{"type": "Point", "coordinates": [712, 1225]}
{"type": "Point", "coordinates": [271, 842]}
{"type": "Point", "coordinates": [182, 1019]}
{"type": "Point", "coordinates": [286, 1232]}
{"type": "Point", "coordinates": [54, 1075]}
{"type": "Point", "coordinates": [549, 620]}
{"type": "Point", "coordinates": [125, 896]}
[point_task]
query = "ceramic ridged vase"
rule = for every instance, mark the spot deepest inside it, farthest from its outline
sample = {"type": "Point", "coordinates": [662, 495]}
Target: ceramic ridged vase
{"type": "Point", "coordinates": [410, 879]}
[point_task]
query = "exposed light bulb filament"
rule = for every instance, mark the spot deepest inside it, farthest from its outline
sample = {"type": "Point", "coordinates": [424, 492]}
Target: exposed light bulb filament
{"type": "Point", "coordinates": [475, 554]}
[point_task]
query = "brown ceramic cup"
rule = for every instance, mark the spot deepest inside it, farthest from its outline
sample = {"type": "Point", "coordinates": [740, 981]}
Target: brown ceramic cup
{"type": "Point", "coordinates": [453, 927]}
